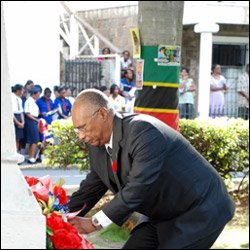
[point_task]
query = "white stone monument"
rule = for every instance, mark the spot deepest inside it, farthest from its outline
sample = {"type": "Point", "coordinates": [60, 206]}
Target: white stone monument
{"type": "Point", "coordinates": [22, 224]}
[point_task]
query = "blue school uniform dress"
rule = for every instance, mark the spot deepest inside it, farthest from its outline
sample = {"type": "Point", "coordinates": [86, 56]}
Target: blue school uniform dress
{"type": "Point", "coordinates": [45, 106]}
{"type": "Point", "coordinates": [17, 109]}
{"type": "Point", "coordinates": [126, 87]}
{"type": "Point", "coordinates": [64, 106]}
{"type": "Point", "coordinates": [32, 132]}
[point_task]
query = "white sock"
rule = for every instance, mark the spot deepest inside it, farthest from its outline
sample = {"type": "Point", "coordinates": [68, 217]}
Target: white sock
{"type": "Point", "coordinates": [32, 160]}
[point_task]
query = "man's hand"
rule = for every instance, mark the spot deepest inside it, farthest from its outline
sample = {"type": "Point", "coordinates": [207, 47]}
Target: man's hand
{"type": "Point", "coordinates": [83, 225]}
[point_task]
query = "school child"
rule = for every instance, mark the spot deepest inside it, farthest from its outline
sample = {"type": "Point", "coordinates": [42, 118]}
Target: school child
{"type": "Point", "coordinates": [18, 115]}
{"type": "Point", "coordinates": [32, 112]}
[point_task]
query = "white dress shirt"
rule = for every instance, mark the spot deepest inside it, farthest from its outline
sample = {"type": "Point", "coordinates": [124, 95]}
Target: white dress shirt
{"type": "Point", "coordinates": [101, 216]}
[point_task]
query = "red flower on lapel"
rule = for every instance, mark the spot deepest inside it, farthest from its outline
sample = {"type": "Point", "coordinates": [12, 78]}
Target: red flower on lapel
{"type": "Point", "coordinates": [114, 166]}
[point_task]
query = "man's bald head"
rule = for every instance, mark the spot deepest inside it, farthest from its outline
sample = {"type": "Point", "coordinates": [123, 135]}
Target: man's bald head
{"type": "Point", "coordinates": [93, 116]}
{"type": "Point", "coordinates": [92, 98]}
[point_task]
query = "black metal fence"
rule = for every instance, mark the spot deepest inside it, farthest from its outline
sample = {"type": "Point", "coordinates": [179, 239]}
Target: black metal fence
{"type": "Point", "coordinates": [230, 108]}
{"type": "Point", "coordinates": [82, 74]}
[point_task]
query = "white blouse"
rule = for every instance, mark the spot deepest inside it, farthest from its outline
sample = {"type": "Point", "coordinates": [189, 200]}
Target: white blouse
{"type": "Point", "coordinates": [17, 107]}
{"type": "Point", "coordinates": [31, 107]}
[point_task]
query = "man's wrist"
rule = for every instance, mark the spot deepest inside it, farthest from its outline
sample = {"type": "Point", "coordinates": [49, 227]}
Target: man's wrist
{"type": "Point", "coordinates": [96, 223]}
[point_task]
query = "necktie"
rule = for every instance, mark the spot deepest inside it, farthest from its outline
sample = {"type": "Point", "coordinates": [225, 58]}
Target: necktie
{"type": "Point", "coordinates": [48, 105]}
{"type": "Point", "coordinates": [109, 150]}
{"type": "Point", "coordinates": [18, 106]}
{"type": "Point", "coordinates": [64, 106]}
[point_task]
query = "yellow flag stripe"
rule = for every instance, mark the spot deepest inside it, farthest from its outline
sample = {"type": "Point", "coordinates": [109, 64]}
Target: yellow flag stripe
{"type": "Point", "coordinates": [161, 84]}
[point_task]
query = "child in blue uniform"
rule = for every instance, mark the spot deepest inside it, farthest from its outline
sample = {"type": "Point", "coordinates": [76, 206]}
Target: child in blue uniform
{"type": "Point", "coordinates": [63, 104]}
{"type": "Point", "coordinates": [46, 106]}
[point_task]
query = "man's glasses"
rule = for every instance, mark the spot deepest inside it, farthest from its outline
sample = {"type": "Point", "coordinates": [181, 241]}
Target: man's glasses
{"type": "Point", "coordinates": [83, 128]}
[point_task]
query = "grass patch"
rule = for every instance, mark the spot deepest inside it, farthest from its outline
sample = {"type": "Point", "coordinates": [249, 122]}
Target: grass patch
{"type": "Point", "coordinates": [114, 233]}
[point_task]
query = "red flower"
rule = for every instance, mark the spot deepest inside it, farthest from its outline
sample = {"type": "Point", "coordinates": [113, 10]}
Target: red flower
{"type": "Point", "coordinates": [71, 228]}
{"type": "Point", "coordinates": [86, 244]}
{"type": "Point", "coordinates": [64, 239]}
{"type": "Point", "coordinates": [31, 180]}
{"type": "Point", "coordinates": [54, 221]}
{"type": "Point", "coordinates": [61, 194]}
{"type": "Point", "coordinates": [65, 236]}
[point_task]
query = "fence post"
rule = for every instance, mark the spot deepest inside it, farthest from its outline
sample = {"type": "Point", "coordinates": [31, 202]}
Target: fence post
{"type": "Point", "coordinates": [117, 70]}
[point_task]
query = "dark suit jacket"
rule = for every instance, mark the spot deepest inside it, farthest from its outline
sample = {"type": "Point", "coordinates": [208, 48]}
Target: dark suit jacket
{"type": "Point", "coordinates": [162, 177]}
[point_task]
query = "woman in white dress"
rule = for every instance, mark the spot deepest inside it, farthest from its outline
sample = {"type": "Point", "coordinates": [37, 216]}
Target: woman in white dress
{"type": "Point", "coordinates": [218, 89]}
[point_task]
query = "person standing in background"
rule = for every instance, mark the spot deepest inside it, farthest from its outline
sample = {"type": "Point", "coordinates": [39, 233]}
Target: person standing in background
{"type": "Point", "coordinates": [28, 86]}
{"type": "Point", "coordinates": [126, 62]}
{"type": "Point", "coordinates": [218, 88]}
{"type": "Point", "coordinates": [243, 98]}
{"type": "Point", "coordinates": [18, 114]}
{"type": "Point", "coordinates": [68, 95]}
{"type": "Point", "coordinates": [186, 98]}
{"type": "Point", "coordinates": [32, 112]}
{"type": "Point", "coordinates": [23, 140]}
{"type": "Point", "coordinates": [24, 97]}
{"type": "Point", "coordinates": [128, 90]}
{"type": "Point", "coordinates": [46, 106]}
{"type": "Point", "coordinates": [55, 92]}
{"type": "Point", "coordinates": [117, 101]}
{"type": "Point", "coordinates": [106, 51]}
{"type": "Point", "coordinates": [64, 106]}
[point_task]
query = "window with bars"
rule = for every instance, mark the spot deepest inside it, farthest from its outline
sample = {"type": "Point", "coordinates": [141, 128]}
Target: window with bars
{"type": "Point", "coordinates": [229, 55]}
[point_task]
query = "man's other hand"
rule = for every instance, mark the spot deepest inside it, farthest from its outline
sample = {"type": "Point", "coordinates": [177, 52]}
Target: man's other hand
{"type": "Point", "coordinates": [83, 225]}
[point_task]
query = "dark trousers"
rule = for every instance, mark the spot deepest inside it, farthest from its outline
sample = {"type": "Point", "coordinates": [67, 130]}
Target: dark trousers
{"type": "Point", "coordinates": [186, 111]}
{"type": "Point", "coordinates": [145, 237]}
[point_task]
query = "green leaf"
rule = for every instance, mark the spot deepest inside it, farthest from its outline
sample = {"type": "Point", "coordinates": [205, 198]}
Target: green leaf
{"type": "Point", "coordinates": [60, 182]}
{"type": "Point", "coordinates": [49, 244]}
{"type": "Point", "coordinates": [49, 231]}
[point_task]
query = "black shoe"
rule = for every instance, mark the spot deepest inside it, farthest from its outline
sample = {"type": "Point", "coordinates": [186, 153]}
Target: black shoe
{"type": "Point", "coordinates": [21, 163]}
{"type": "Point", "coordinates": [38, 160]}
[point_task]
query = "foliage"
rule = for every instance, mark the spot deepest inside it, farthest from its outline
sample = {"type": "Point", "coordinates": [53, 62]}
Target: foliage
{"type": "Point", "coordinates": [223, 142]}
{"type": "Point", "coordinates": [67, 149]}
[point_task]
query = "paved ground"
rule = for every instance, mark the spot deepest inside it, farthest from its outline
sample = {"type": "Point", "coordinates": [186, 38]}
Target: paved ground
{"type": "Point", "coordinates": [100, 243]}
{"type": "Point", "coordinates": [72, 176]}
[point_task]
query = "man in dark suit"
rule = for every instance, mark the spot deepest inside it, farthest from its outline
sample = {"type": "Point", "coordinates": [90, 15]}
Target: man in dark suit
{"type": "Point", "coordinates": [152, 170]}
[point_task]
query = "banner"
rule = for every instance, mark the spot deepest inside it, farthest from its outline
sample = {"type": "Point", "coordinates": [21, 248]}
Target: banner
{"type": "Point", "coordinates": [169, 55]}
{"type": "Point", "coordinates": [135, 36]}
{"type": "Point", "coordinates": [139, 73]}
